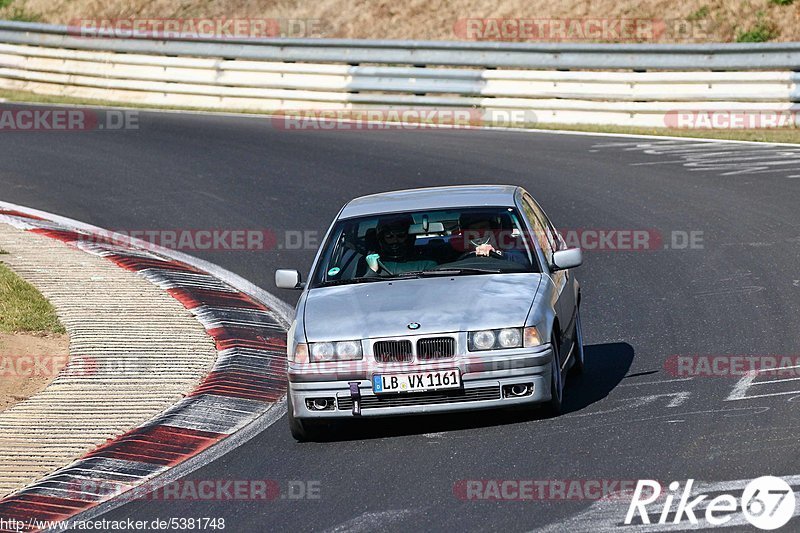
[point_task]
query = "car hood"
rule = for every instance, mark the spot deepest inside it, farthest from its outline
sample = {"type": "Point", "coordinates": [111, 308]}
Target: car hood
{"type": "Point", "coordinates": [439, 305]}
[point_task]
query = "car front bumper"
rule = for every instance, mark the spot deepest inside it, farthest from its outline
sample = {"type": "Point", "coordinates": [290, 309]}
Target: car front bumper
{"type": "Point", "coordinates": [485, 381]}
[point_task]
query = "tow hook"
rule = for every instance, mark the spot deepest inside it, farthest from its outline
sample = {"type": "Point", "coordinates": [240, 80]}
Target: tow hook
{"type": "Point", "coordinates": [355, 395]}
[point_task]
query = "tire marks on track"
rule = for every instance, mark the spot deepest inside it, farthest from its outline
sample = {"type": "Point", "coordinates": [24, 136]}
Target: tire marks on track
{"type": "Point", "coordinates": [724, 159]}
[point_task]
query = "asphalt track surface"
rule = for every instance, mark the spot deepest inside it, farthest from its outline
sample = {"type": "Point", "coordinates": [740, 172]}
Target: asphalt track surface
{"type": "Point", "coordinates": [627, 418]}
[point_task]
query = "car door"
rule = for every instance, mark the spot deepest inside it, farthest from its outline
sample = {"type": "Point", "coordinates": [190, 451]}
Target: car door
{"type": "Point", "coordinates": [549, 242]}
{"type": "Point", "coordinates": [567, 301]}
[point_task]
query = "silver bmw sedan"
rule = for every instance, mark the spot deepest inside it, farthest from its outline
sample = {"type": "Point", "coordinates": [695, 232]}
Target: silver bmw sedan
{"type": "Point", "coordinates": [433, 300]}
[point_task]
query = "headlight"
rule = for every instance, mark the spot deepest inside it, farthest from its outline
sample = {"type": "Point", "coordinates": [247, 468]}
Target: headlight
{"type": "Point", "coordinates": [348, 350]}
{"type": "Point", "coordinates": [509, 338]}
{"type": "Point", "coordinates": [322, 352]}
{"type": "Point", "coordinates": [490, 339]}
{"type": "Point", "coordinates": [482, 340]}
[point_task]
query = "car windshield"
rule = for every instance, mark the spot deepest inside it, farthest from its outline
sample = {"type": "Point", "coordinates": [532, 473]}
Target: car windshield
{"type": "Point", "coordinates": [467, 241]}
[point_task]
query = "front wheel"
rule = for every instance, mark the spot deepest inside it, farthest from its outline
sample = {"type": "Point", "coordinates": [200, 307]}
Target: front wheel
{"type": "Point", "coordinates": [578, 366]}
{"type": "Point", "coordinates": [553, 406]}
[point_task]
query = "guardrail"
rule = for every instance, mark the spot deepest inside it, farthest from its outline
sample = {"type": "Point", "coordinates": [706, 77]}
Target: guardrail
{"type": "Point", "coordinates": [646, 83]}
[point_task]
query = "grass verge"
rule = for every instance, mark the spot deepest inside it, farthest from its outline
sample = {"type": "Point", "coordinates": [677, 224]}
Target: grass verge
{"type": "Point", "coordinates": [767, 135]}
{"type": "Point", "coordinates": [29, 331]}
{"type": "Point", "coordinates": [23, 308]}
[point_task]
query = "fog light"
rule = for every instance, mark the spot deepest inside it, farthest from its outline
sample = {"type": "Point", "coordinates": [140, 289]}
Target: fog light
{"type": "Point", "coordinates": [517, 390]}
{"type": "Point", "coordinates": [320, 404]}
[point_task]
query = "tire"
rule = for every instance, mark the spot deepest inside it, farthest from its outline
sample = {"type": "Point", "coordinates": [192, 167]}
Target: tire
{"type": "Point", "coordinates": [553, 406]}
{"type": "Point", "coordinates": [579, 364]}
{"type": "Point", "coordinates": [302, 430]}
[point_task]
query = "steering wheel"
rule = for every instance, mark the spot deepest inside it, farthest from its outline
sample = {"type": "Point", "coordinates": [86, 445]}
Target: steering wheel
{"type": "Point", "coordinates": [492, 253]}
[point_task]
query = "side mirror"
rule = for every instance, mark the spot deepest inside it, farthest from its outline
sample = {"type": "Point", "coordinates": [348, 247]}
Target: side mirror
{"type": "Point", "coordinates": [564, 259]}
{"type": "Point", "coordinates": [288, 279]}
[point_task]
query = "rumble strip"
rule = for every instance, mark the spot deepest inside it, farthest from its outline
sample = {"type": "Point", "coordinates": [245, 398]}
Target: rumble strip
{"type": "Point", "coordinates": [246, 380]}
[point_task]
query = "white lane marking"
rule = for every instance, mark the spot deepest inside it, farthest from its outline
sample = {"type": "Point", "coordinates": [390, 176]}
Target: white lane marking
{"type": "Point", "coordinates": [716, 154]}
{"type": "Point", "coordinates": [775, 381]}
{"type": "Point", "coordinates": [765, 167]}
{"type": "Point", "coordinates": [748, 289]}
{"type": "Point", "coordinates": [726, 160]}
{"type": "Point", "coordinates": [757, 171]}
{"type": "Point", "coordinates": [769, 395]}
{"type": "Point", "coordinates": [679, 398]}
{"type": "Point", "coordinates": [609, 514]}
{"type": "Point", "coordinates": [724, 412]}
{"type": "Point", "coordinates": [683, 144]}
{"type": "Point", "coordinates": [748, 381]}
{"type": "Point", "coordinates": [653, 163]}
{"type": "Point", "coordinates": [698, 150]}
{"type": "Point", "coordinates": [371, 521]}
{"type": "Point", "coordinates": [676, 399]}
{"type": "Point", "coordinates": [765, 370]}
{"type": "Point", "coordinates": [740, 389]}
{"type": "Point", "coordinates": [654, 382]}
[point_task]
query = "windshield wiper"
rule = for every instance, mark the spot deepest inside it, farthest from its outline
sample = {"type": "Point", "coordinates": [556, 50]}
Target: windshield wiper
{"type": "Point", "coordinates": [457, 271]}
{"type": "Point", "coordinates": [368, 279]}
{"type": "Point", "coordinates": [414, 274]}
{"type": "Point", "coordinates": [332, 282]}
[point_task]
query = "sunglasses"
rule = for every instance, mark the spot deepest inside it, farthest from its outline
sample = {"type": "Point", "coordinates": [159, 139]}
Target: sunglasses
{"type": "Point", "coordinates": [395, 235]}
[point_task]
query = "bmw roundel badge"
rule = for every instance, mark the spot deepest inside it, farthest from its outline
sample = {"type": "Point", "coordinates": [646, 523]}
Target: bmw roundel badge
{"type": "Point", "coordinates": [413, 325]}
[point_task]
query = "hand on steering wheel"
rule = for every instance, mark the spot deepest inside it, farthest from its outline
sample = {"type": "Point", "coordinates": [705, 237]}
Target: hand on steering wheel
{"type": "Point", "coordinates": [491, 253]}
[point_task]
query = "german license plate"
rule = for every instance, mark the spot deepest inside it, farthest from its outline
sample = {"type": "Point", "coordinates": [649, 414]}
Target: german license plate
{"type": "Point", "coordinates": [416, 382]}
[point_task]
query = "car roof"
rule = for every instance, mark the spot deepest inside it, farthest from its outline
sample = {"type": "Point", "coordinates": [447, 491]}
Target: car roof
{"type": "Point", "coordinates": [431, 198]}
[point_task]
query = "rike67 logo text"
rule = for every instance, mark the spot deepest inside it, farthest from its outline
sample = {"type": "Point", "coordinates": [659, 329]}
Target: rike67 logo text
{"type": "Point", "coordinates": [766, 503]}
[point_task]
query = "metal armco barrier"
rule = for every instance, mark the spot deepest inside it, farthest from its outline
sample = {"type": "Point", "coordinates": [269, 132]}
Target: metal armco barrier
{"type": "Point", "coordinates": [630, 85]}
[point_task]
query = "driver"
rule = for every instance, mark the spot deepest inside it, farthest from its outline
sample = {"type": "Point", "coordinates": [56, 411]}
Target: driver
{"type": "Point", "coordinates": [395, 245]}
{"type": "Point", "coordinates": [479, 235]}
